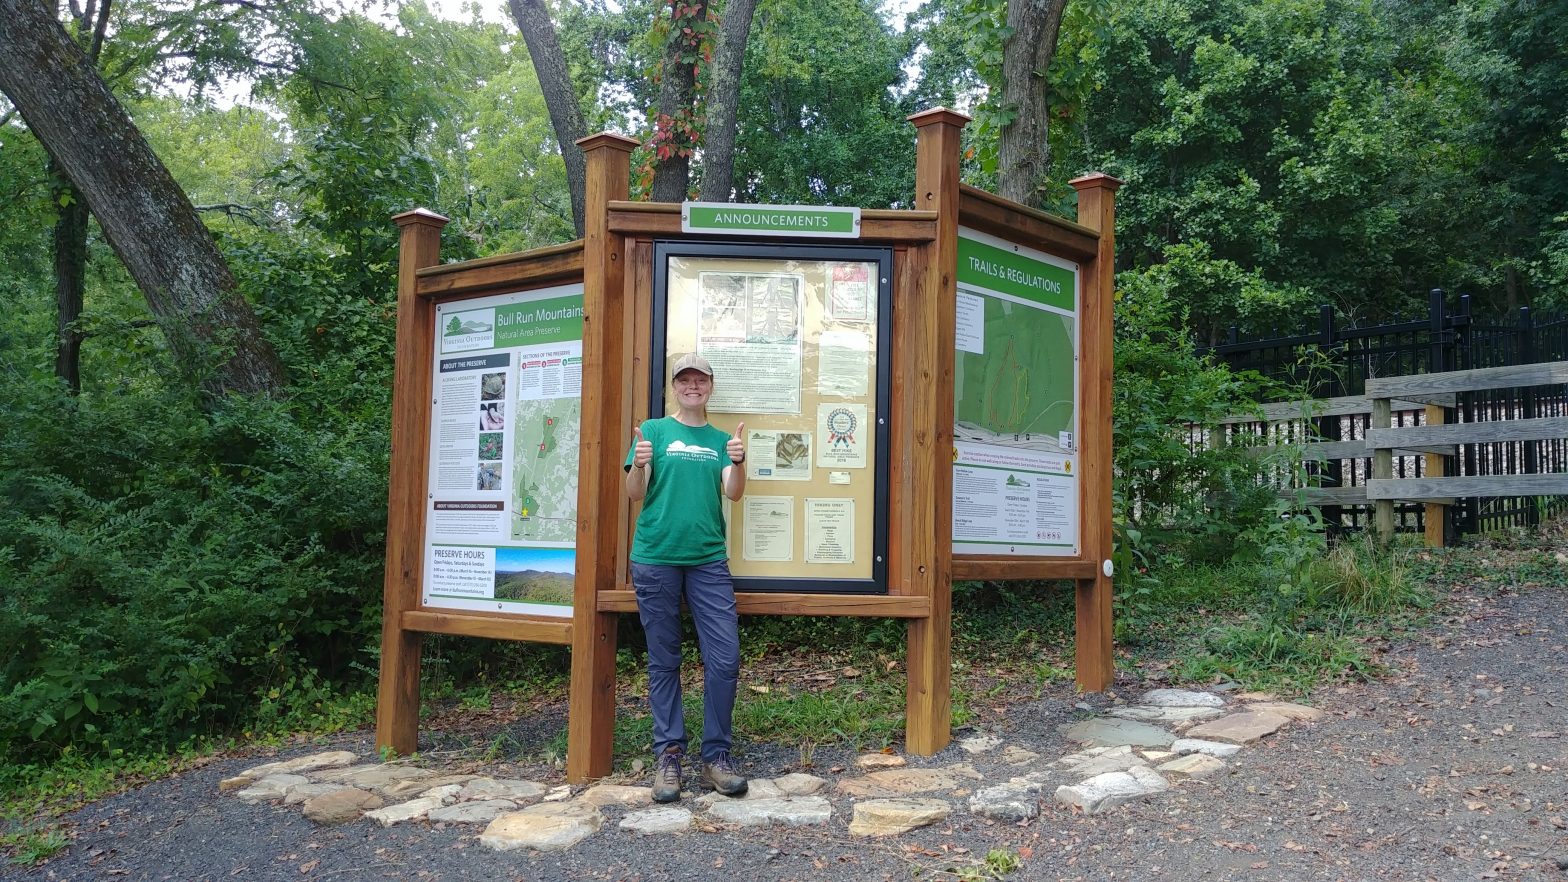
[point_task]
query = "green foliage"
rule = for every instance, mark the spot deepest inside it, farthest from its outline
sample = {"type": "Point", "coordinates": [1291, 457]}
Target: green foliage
{"type": "Point", "coordinates": [169, 567]}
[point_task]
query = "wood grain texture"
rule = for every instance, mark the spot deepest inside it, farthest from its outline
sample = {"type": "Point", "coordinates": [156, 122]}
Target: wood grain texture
{"type": "Point", "coordinates": [1095, 653]}
{"type": "Point", "coordinates": [397, 691]}
{"type": "Point", "coordinates": [1469, 433]}
{"type": "Point", "coordinates": [992, 214]}
{"type": "Point", "coordinates": [1356, 495]}
{"type": "Point", "coordinates": [929, 378]}
{"type": "Point", "coordinates": [1421, 386]}
{"type": "Point", "coordinates": [1382, 468]}
{"type": "Point", "coordinates": [529, 269]}
{"type": "Point", "coordinates": [968, 566]}
{"type": "Point", "coordinates": [909, 268]}
{"type": "Point", "coordinates": [591, 707]}
{"type": "Point", "coordinates": [493, 626]}
{"type": "Point", "coordinates": [1435, 518]}
{"type": "Point", "coordinates": [1346, 405]}
{"type": "Point", "coordinates": [1461, 487]}
{"type": "Point", "coordinates": [783, 604]}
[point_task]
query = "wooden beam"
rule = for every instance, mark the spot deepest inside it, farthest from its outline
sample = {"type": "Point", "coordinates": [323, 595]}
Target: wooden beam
{"type": "Point", "coordinates": [1346, 405]}
{"type": "Point", "coordinates": [757, 603]}
{"type": "Point", "coordinates": [930, 369]}
{"type": "Point", "coordinates": [1329, 495]}
{"type": "Point", "coordinates": [1417, 437]}
{"type": "Point", "coordinates": [910, 267]}
{"type": "Point", "coordinates": [397, 691]}
{"type": "Point", "coordinates": [519, 271]}
{"type": "Point", "coordinates": [1026, 226]}
{"type": "Point", "coordinates": [591, 707]}
{"type": "Point", "coordinates": [1462, 487]}
{"type": "Point", "coordinates": [494, 626]}
{"type": "Point", "coordinates": [1096, 660]}
{"type": "Point", "coordinates": [972, 566]}
{"type": "Point", "coordinates": [1420, 386]}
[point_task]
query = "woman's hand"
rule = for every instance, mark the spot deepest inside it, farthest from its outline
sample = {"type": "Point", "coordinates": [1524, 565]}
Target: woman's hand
{"type": "Point", "coordinates": [736, 448]}
{"type": "Point", "coordinates": [642, 452]}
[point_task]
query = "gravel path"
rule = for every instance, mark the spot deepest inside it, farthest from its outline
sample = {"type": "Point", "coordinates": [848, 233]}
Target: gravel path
{"type": "Point", "coordinates": [1455, 766]}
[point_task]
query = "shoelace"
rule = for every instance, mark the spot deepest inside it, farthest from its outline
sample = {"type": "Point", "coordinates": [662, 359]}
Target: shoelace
{"type": "Point", "coordinates": [723, 763]}
{"type": "Point", "coordinates": [669, 765]}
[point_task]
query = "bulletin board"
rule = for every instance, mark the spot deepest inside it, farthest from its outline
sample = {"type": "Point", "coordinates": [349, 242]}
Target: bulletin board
{"type": "Point", "coordinates": [798, 337]}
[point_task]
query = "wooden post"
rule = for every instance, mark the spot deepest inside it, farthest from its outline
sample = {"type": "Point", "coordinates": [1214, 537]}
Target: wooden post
{"type": "Point", "coordinates": [1436, 518]}
{"type": "Point", "coordinates": [590, 734]}
{"type": "Point", "coordinates": [1096, 663]}
{"type": "Point", "coordinates": [397, 694]}
{"type": "Point", "coordinates": [1383, 468]}
{"type": "Point", "coordinates": [929, 713]}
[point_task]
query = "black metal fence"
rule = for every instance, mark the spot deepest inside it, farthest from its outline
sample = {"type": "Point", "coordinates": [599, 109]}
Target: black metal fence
{"type": "Point", "coordinates": [1333, 361]}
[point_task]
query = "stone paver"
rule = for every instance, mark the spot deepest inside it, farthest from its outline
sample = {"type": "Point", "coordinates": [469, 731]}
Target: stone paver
{"type": "Point", "coordinates": [1181, 698]}
{"type": "Point", "coordinates": [405, 811]}
{"type": "Point", "coordinates": [799, 784]}
{"type": "Point", "coordinates": [757, 788]}
{"type": "Point", "coordinates": [409, 788]}
{"type": "Point", "coordinates": [788, 811]}
{"type": "Point", "coordinates": [305, 792]}
{"type": "Point", "coordinates": [1193, 765]}
{"type": "Point", "coordinates": [1014, 755]}
{"type": "Point", "coordinates": [542, 830]}
{"type": "Point", "coordinates": [908, 782]}
{"type": "Point", "coordinates": [890, 817]}
{"type": "Point", "coordinates": [879, 761]}
{"type": "Point", "coordinates": [1006, 802]}
{"type": "Point", "coordinates": [375, 777]}
{"type": "Point", "coordinates": [332, 759]}
{"type": "Point", "coordinates": [1165, 714]}
{"type": "Point", "coordinates": [1297, 712]}
{"type": "Point", "coordinates": [1240, 728]}
{"type": "Point", "coordinates": [1217, 749]}
{"type": "Point", "coordinates": [1104, 732]}
{"type": "Point", "coordinates": [501, 788]}
{"type": "Point", "coordinates": [979, 743]}
{"type": "Point", "coordinates": [664, 819]}
{"type": "Point", "coordinates": [341, 806]}
{"type": "Point", "coordinates": [479, 812]}
{"type": "Point", "coordinates": [601, 795]}
{"type": "Point", "coordinates": [1112, 789]}
{"type": "Point", "coordinates": [269, 788]}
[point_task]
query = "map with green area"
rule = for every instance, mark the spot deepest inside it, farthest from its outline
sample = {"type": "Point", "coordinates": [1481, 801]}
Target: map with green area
{"type": "Point", "coordinates": [544, 470]}
{"type": "Point", "coordinates": [1022, 384]}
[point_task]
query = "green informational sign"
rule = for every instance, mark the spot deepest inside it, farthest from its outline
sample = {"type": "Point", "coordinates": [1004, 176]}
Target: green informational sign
{"type": "Point", "coordinates": [1015, 467]}
{"type": "Point", "coordinates": [811, 221]}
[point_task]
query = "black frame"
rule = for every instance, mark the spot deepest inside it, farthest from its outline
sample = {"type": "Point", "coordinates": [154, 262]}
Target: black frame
{"type": "Point", "coordinates": [883, 258]}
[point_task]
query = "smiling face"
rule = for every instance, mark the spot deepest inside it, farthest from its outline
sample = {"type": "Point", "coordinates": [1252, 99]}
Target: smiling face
{"type": "Point", "coordinates": [692, 389]}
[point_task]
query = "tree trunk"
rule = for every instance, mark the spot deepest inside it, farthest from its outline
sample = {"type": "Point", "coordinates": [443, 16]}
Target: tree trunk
{"type": "Point", "coordinates": [1023, 153]}
{"type": "Point", "coordinates": [677, 112]}
{"type": "Point", "coordinates": [718, 130]}
{"type": "Point", "coordinates": [146, 217]}
{"type": "Point", "coordinates": [555, 82]}
{"type": "Point", "coordinates": [70, 279]}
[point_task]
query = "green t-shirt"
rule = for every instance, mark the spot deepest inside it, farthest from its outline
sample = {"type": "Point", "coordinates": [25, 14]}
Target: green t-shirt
{"type": "Point", "coordinates": [682, 522]}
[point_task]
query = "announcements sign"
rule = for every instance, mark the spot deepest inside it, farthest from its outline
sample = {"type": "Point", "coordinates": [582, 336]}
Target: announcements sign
{"type": "Point", "coordinates": [1015, 467]}
{"type": "Point", "coordinates": [797, 336]}
{"type": "Point", "coordinates": [502, 487]}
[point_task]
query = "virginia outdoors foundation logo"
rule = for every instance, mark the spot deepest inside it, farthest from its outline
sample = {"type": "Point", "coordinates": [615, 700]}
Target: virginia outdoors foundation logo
{"type": "Point", "coordinates": [1015, 481]}
{"type": "Point", "coordinates": [462, 331]}
{"type": "Point", "coordinates": [695, 452]}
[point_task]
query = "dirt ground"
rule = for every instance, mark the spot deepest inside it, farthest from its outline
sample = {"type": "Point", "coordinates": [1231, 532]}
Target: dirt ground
{"type": "Point", "coordinates": [1452, 766]}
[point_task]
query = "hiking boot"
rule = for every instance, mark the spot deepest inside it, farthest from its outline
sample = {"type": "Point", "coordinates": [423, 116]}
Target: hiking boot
{"type": "Point", "coordinates": [722, 776]}
{"type": "Point", "coordinates": [667, 775]}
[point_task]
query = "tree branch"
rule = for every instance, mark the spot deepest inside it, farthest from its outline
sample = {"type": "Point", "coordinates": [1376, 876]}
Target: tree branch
{"type": "Point", "coordinates": [100, 28]}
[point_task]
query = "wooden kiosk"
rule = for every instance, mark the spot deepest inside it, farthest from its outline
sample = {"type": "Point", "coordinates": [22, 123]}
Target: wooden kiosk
{"type": "Point", "coordinates": [509, 365]}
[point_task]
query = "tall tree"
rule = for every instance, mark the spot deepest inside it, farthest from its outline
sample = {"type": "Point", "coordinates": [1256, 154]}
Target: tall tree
{"type": "Point", "coordinates": [688, 40]}
{"type": "Point", "coordinates": [1023, 150]}
{"type": "Point", "coordinates": [145, 215]}
{"type": "Point", "coordinates": [719, 123]}
{"type": "Point", "coordinates": [566, 114]}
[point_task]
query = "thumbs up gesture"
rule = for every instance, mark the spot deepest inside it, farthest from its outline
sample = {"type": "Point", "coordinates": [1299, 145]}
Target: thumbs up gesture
{"type": "Point", "coordinates": [736, 447]}
{"type": "Point", "coordinates": [642, 449]}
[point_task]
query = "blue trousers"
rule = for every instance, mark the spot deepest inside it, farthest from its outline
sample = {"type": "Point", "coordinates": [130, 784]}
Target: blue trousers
{"type": "Point", "coordinates": [710, 595]}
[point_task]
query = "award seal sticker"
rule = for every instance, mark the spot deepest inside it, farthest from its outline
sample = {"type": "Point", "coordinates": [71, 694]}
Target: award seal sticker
{"type": "Point", "coordinates": [841, 425]}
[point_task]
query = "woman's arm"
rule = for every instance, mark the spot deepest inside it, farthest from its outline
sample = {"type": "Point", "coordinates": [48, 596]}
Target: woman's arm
{"type": "Point", "coordinates": [734, 475]}
{"type": "Point", "coordinates": [641, 468]}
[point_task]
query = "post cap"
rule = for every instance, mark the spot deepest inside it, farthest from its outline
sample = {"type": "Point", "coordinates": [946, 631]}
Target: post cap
{"type": "Point", "coordinates": [608, 139]}
{"type": "Point", "coordinates": [938, 115]}
{"type": "Point", "coordinates": [1097, 179]}
{"type": "Point", "coordinates": [420, 216]}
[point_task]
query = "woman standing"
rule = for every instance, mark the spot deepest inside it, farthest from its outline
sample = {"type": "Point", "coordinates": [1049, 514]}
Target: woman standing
{"type": "Point", "coordinates": [678, 466]}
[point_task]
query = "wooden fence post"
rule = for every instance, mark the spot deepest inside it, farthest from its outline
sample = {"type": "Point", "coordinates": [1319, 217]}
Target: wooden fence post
{"type": "Point", "coordinates": [397, 694]}
{"type": "Point", "coordinates": [1096, 664]}
{"type": "Point", "coordinates": [1435, 517]}
{"type": "Point", "coordinates": [1383, 468]}
{"type": "Point", "coordinates": [929, 714]}
{"type": "Point", "coordinates": [590, 734]}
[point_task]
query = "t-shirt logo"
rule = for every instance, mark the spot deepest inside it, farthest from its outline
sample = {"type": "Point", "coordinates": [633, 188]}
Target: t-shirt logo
{"type": "Point", "coordinates": [681, 450]}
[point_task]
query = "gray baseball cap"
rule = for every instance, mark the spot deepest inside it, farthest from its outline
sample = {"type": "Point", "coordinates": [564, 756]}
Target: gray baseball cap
{"type": "Point", "coordinates": [691, 361]}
